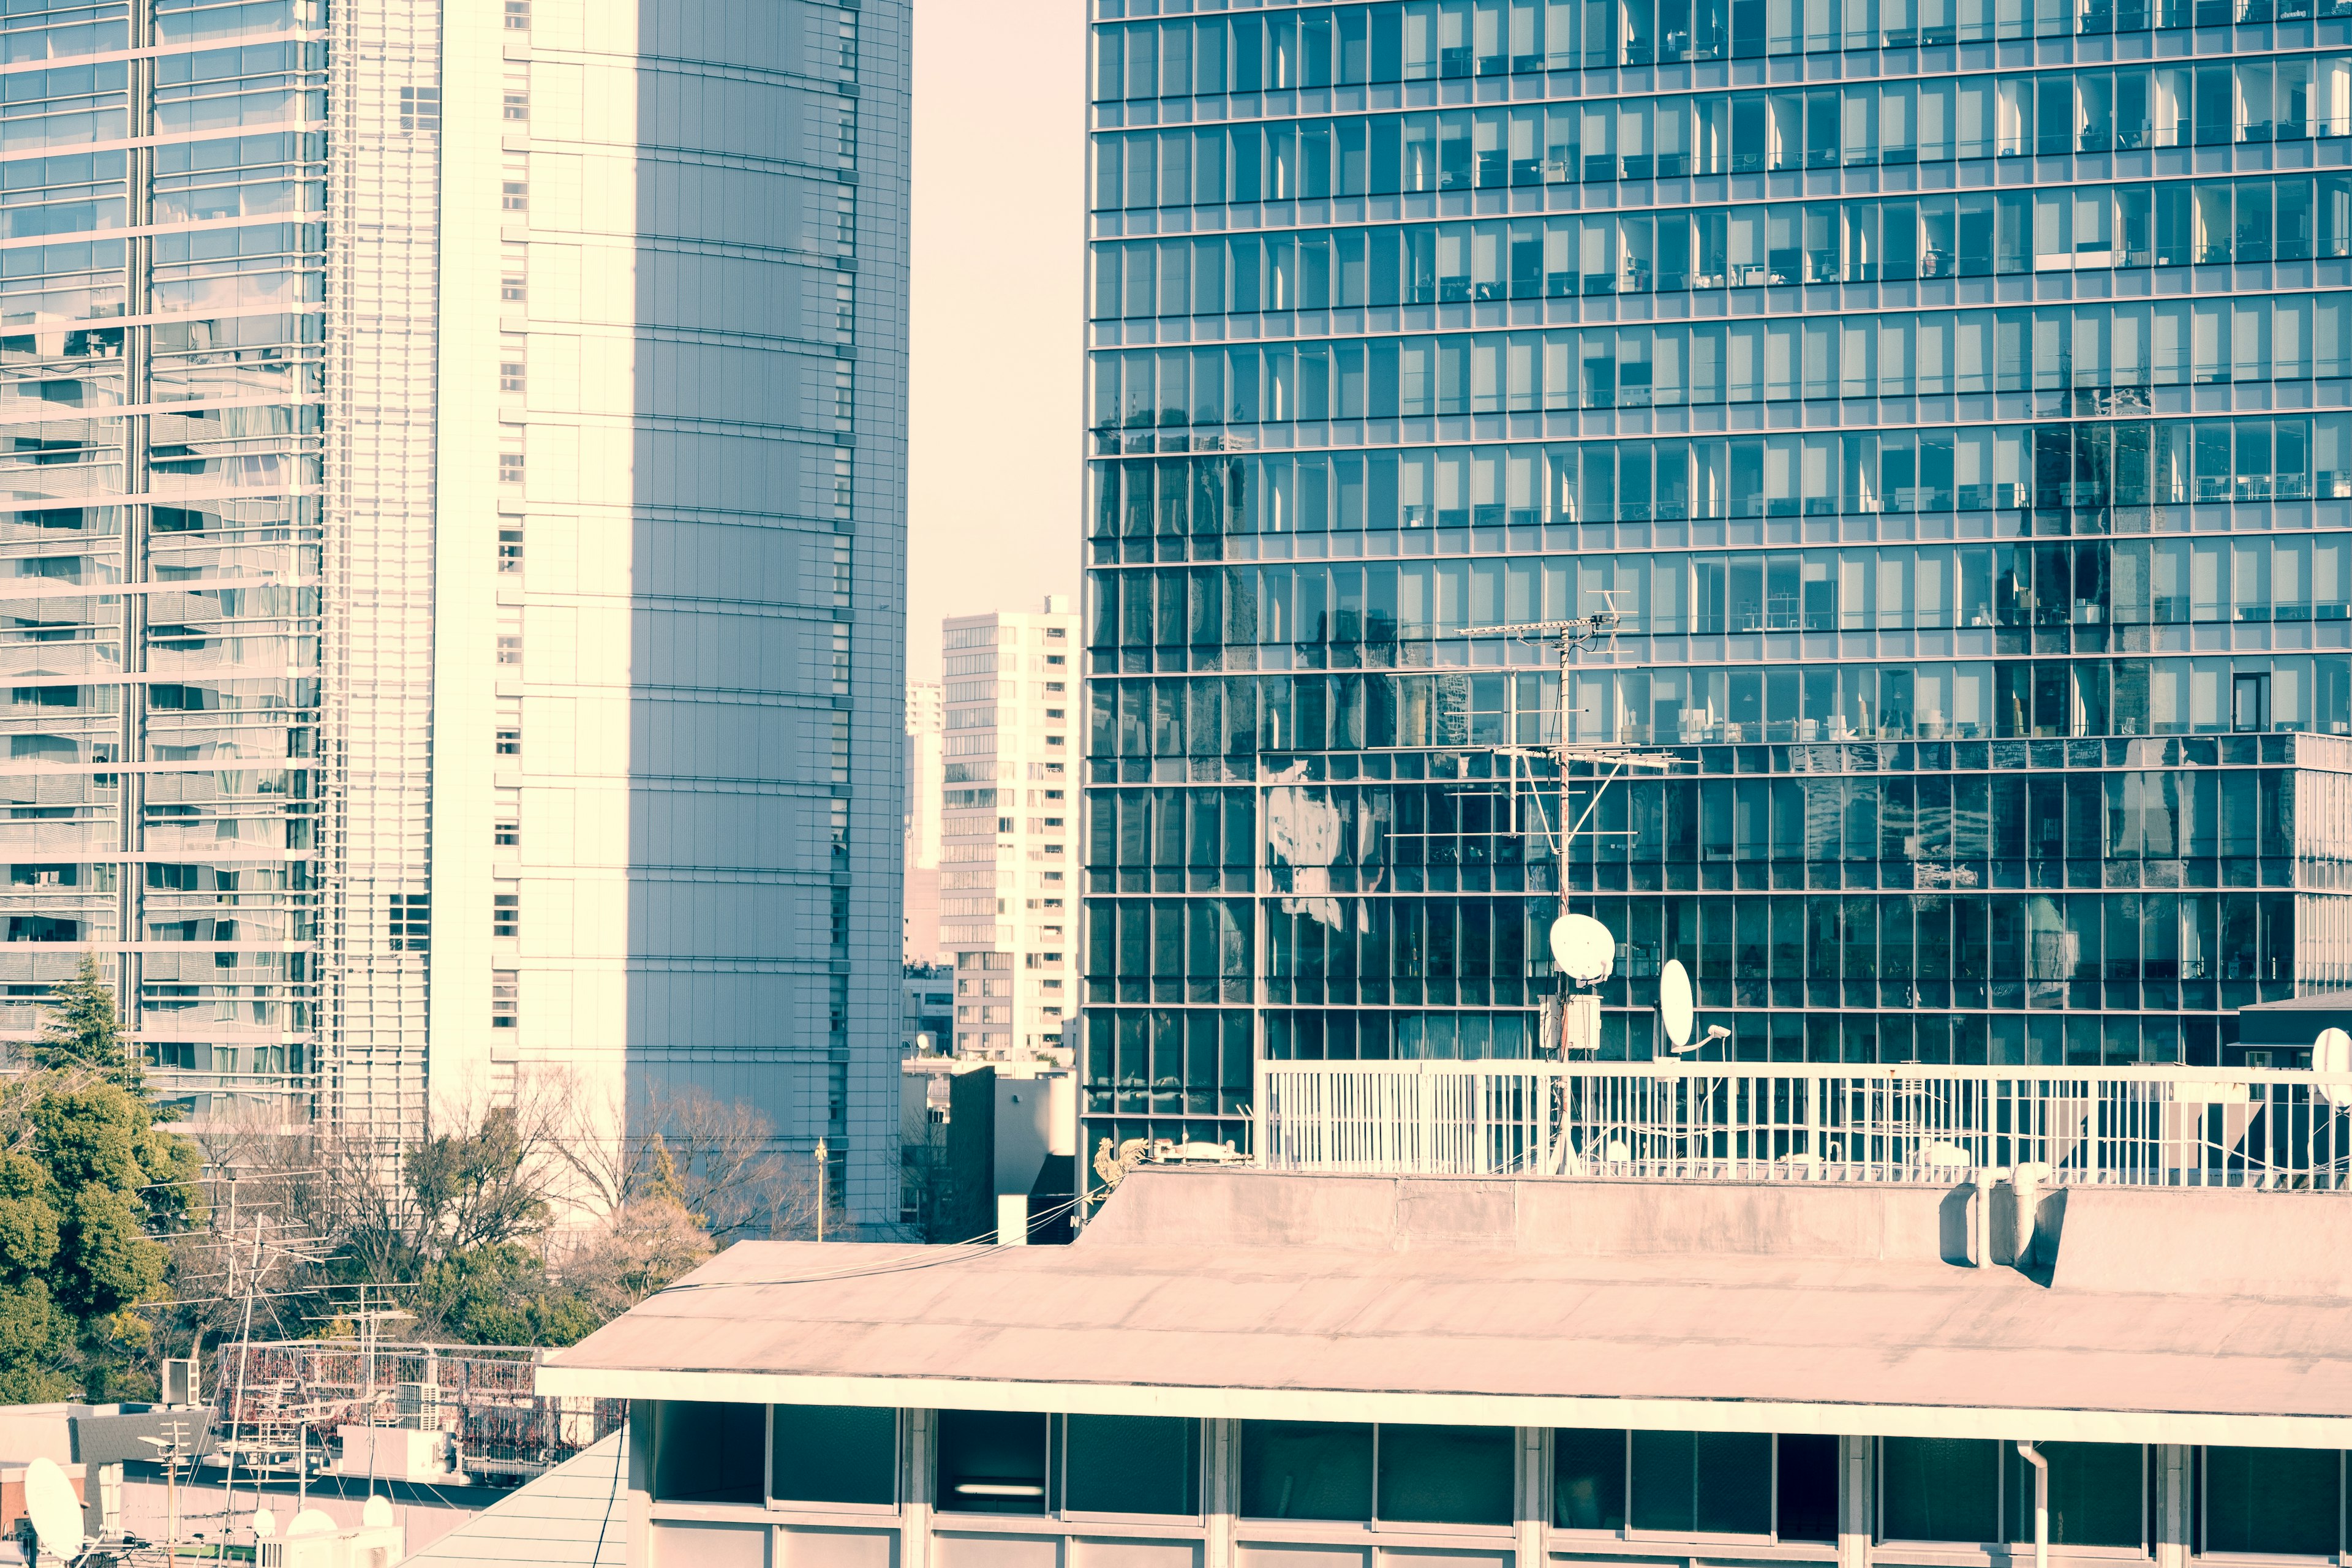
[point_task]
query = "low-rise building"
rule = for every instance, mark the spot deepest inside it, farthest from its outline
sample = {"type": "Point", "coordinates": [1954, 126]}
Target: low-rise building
{"type": "Point", "coordinates": [1252, 1369]}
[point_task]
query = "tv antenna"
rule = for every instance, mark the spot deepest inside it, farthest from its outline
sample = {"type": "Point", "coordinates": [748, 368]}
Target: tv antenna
{"type": "Point", "coordinates": [1583, 949]}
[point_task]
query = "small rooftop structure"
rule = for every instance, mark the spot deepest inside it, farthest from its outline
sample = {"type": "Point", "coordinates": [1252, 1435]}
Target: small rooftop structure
{"type": "Point", "coordinates": [2181, 1317]}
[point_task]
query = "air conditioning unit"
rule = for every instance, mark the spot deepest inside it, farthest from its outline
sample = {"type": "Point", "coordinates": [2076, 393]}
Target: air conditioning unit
{"type": "Point", "coordinates": [418, 1407]}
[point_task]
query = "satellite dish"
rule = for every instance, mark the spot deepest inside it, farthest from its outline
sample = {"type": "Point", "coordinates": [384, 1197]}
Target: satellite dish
{"type": "Point", "coordinates": [377, 1510]}
{"type": "Point", "coordinates": [1675, 1003]}
{"type": "Point", "coordinates": [1582, 948]}
{"type": "Point", "coordinates": [265, 1523]}
{"type": "Point", "coordinates": [310, 1522]}
{"type": "Point", "coordinates": [2332, 1053]}
{"type": "Point", "coordinates": [56, 1512]}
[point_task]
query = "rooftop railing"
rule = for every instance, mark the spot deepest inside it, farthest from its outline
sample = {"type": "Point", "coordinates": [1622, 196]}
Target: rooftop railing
{"type": "Point", "coordinates": [2156, 1126]}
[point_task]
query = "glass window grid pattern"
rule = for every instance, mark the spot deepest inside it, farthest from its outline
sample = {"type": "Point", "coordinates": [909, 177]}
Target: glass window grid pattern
{"type": "Point", "coordinates": [2010, 1492]}
{"type": "Point", "coordinates": [1433, 40]}
{"type": "Point", "coordinates": [1261, 259]}
{"type": "Point", "coordinates": [234, 96]}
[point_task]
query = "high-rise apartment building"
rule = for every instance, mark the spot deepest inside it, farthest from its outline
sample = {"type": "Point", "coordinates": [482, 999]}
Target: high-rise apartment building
{"type": "Point", "coordinates": [457, 547]}
{"type": "Point", "coordinates": [925, 775]}
{"type": "Point", "coordinates": [1948, 399]}
{"type": "Point", "coordinates": [1008, 888]}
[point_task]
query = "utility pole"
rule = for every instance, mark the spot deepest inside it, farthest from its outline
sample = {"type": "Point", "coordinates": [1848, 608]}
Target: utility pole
{"type": "Point", "coordinates": [820, 1189]}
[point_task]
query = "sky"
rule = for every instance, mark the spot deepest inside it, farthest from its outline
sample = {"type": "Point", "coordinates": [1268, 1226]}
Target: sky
{"type": "Point", "coordinates": [994, 404]}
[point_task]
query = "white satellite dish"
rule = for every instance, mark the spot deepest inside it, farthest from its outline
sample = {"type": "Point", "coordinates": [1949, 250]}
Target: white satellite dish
{"type": "Point", "coordinates": [1675, 1003]}
{"type": "Point", "coordinates": [310, 1522]}
{"type": "Point", "coordinates": [1582, 948]}
{"type": "Point", "coordinates": [265, 1523]}
{"type": "Point", "coordinates": [2332, 1053]}
{"type": "Point", "coordinates": [377, 1510]}
{"type": "Point", "coordinates": [56, 1512]}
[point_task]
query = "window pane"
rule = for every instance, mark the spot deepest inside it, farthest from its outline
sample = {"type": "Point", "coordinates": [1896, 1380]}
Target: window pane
{"type": "Point", "coordinates": [2094, 1493]}
{"type": "Point", "coordinates": [992, 1461]}
{"type": "Point", "coordinates": [1735, 1483]}
{"type": "Point", "coordinates": [2272, 1502]}
{"type": "Point", "coordinates": [1809, 1489]}
{"type": "Point", "coordinates": [1587, 1479]}
{"type": "Point", "coordinates": [1445, 1475]}
{"type": "Point", "coordinates": [1133, 1464]}
{"type": "Point", "coordinates": [1306, 1469]}
{"type": "Point", "coordinates": [1940, 1489]}
{"type": "Point", "coordinates": [835, 1453]}
{"type": "Point", "coordinates": [1663, 1463]}
{"type": "Point", "coordinates": [705, 1451]}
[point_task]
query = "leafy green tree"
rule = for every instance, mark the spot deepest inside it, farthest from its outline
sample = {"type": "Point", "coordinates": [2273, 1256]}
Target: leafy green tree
{"type": "Point", "coordinates": [90, 1185]}
{"type": "Point", "coordinates": [90, 1182]}
{"type": "Point", "coordinates": [81, 1030]}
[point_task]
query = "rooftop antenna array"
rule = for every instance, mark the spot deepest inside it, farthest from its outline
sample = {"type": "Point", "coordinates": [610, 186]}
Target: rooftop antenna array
{"type": "Point", "coordinates": [1583, 949]}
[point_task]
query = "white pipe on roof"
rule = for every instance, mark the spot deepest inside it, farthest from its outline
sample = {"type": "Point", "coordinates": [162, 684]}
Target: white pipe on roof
{"type": "Point", "coordinates": [2041, 1503]}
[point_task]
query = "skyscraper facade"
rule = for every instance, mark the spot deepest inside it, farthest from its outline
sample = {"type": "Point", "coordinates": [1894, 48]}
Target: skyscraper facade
{"type": "Point", "coordinates": [456, 545]}
{"type": "Point", "coordinates": [1947, 399]}
{"type": "Point", "coordinates": [1007, 848]}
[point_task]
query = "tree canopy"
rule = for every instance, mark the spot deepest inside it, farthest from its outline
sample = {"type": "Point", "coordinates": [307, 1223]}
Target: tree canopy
{"type": "Point", "coordinates": [91, 1184]}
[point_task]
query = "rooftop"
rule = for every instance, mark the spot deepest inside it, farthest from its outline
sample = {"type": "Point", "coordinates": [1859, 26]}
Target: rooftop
{"type": "Point", "coordinates": [2190, 1316]}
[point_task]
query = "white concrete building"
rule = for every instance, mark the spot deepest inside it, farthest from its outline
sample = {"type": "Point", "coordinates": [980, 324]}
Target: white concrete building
{"type": "Point", "coordinates": [1008, 829]}
{"type": "Point", "coordinates": [467, 540]}
{"type": "Point", "coordinates": [1245, 1369]}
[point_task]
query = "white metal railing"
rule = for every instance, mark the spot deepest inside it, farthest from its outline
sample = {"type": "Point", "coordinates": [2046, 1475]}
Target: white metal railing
{"type": "Point", "coordinates": [2163, 1126]}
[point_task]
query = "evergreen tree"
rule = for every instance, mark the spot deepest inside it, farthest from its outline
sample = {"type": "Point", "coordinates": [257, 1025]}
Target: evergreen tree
{"type": "Point", "coordinates": [81, 1030]}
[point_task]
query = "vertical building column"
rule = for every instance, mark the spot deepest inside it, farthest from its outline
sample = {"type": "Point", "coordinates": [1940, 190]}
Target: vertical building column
{"type": "Point", "coordinates": [641, 1480]}
{"type": "Point", "coordinates": [1857, 1489]}
{"type": "Point", "coordinates": [1222, 1497]}
{"type": "Point", "coordinates": [2170, 1462]}
{"type": "Point", "coordinates": [915, 1514]}
{"type": "Point", "coordinates": [1533, 1512]}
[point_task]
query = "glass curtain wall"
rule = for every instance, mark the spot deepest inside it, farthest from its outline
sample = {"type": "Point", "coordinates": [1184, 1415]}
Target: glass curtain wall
{"type": "Point", "coordinates": [1963, 448]}
{"type": "Point", "coordinates": [159, 542]}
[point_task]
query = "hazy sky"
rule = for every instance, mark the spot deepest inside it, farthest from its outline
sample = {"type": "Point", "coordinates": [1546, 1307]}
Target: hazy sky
{"type": "Point", "coordinates": [999, 167]}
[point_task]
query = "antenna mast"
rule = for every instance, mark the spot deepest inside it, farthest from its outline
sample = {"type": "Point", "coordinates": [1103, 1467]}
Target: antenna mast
{"type": "Point", "coordinates": [1566, 1021]}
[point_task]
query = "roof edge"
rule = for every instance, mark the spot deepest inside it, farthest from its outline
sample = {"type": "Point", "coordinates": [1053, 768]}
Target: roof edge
{"type": "Point", "coordinates": [2002, 1423]}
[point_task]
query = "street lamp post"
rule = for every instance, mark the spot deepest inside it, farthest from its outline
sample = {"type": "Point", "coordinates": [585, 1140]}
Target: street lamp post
{"type": "Point", "coordinates": [820, 1189]}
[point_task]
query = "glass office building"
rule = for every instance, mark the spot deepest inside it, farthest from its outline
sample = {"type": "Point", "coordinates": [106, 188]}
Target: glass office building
{"type": "Point", "coordinates": [1950, 396]}
{"type": "Point", "coordinates": [453, 549]}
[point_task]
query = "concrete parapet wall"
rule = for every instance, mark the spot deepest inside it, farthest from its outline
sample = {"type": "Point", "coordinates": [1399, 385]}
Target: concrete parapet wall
{"type": "Point", "coordinates": [1211, 1206]}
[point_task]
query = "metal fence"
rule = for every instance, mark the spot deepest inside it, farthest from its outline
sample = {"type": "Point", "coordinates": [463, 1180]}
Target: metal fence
{"type": "Point", "coordinates": [1730, 1120]}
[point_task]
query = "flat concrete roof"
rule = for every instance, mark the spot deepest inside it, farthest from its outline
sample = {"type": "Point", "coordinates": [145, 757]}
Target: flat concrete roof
{"type": "Point", "coordinates": [2195, 1316]}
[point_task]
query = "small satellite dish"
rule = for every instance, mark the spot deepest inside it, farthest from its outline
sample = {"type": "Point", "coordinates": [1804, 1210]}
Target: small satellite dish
{"type": "Point", "coordinates": [2332, 1053]}
{"type": "Point", "coordinates": [265, 1523]}
{"type": "Point", "coordinates": [1675, 1003]}
{"type": "Point", "coordinates": [310, 1522]}
{"type": "Point", "coordinates": [56, 1512]}
{"type": "Point", "coordinates": [375, 1511]}
{"type": "Point", "coordinates": [1582, 948]}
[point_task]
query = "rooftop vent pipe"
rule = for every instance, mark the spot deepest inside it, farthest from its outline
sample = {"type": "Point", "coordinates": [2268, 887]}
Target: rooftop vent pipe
{"type": "Point", "coordinates": [2025, 1184]}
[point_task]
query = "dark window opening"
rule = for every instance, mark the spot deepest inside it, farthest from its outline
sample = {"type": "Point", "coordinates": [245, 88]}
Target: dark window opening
{"type": "Point", "coordinates": [1708, 1483]}
{"type": "Point", "coordinates": [1807, 1486]}
{"type": "Point", "coordinates": [1306, 1469]}
{"type": "Point", "coordinates": [1587, 1479]}
{"type": "Point", "coordinates": [2271, 1502]}
{"type": "Point", "coordinates": [992, 1461]}
{"type": "Point", "coordinates": [1445, 1475]}
{"type": "Point", "coordinates": [1131, 1464]}
{"type": "Point", "coordinates": [1940, 1489]}
{"type": "Point", "coordinates": [835, 1453]}
{"type": "Point", "coordinates": [702, 1451]}
{"type": "Point", "coordinates": [2095, 1494]}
